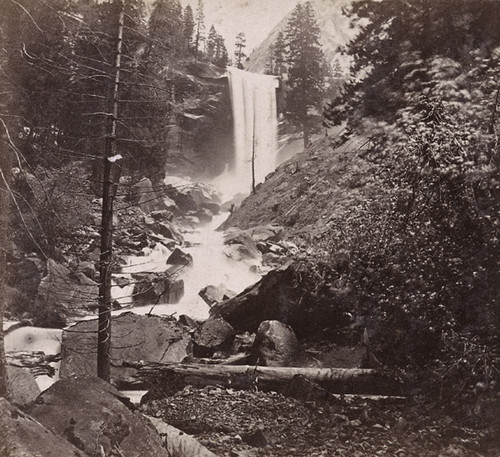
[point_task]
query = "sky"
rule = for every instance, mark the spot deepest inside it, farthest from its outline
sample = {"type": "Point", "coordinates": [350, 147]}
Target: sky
{"type": "Point", "coordinates": [255, 18]}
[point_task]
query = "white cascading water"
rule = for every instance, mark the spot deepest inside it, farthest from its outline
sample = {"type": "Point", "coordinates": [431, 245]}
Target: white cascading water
{"type": "Point", "coordinates": [255, 136]}
{"type": "Point", "coordinates": [253, 100]}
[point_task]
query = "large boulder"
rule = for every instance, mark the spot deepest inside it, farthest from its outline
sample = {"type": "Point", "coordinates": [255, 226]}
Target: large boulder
{"type": "Point", "coordinates": [133, 338]}
{"type": "Point", "coordinates": [143, 194]}
{"type": "Point", "coordinates": [156, 288]}
{"type": "Point", "coordinates": [164, 228]}
{"type": "Point", "coordinates": [92, 415]}
{"type": "Point", "coordinates": [240, 245]}
{"type": "Point", "coordinates": [22, 386]}
{"type": "Point", "coordinates": [179, 257]}
{"type": "Point", "coordinates": [213, 335]}
{"type": "Point", "coordinates": [215, 294]}
{"type": "Point", "coordinates": [22, 436]}
{"type": "Point", "coordinates": [276, 345]}
{"type": "Point", "coordinates": [62, 295]}
{"type": "Point", "coordinates": [287, 294]}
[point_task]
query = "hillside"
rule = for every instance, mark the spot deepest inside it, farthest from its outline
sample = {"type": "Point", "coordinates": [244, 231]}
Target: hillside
{"type": "Point", "coordinates": [335, 31]}
{"type": "Point", "coordinates": [310, 191]}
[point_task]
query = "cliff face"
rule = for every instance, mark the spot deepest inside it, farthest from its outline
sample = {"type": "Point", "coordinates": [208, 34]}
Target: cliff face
{"type": "Point", "coordinates": [335, 31]}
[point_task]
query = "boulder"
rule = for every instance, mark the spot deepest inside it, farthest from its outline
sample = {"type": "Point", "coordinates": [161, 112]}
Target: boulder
{"type": "Point", "coordinates": [164, 228]}
{"type": "Point", "coordinates": [194, 197]}
{"type": "Point", "coordinates": [143, 194]}
{"type": "Point", "coordinates": [179, 257]}
{"type": "Point", "coordinates": [215, 334]}
{"type": "Point", "coordinates": [268, 232]}
{"type": "Point", "coordinates": [22, 436]}
{"type": "Point", "coordinates": [88, 269]}
{"type": "Point", "coordinates": [148, 338]}
{"type": "Point", "coordinates": [61, 295]}
{"type": "Point", "coordinates": [277, 346]}
{"type": "Point", "coordinates": [240, 245]}
{"type": "Point", "coordinates": [22, 386]}
{"type": "Point", "coordinates": [93, 416]}
{"type": "Point", "coordinates": [283, 294]}
{"type": "Point", "coordinates": [163, 215]}
{"type": "Point", "coordinates": [215, 294]}
{"type": "Point", "coordinates": [205, 215]}
{"type": "Point", "coordinates": [155, 288]}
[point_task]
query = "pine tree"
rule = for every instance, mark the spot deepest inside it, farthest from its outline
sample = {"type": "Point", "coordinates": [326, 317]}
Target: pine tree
{"type": "Point", "coordinates": [221, 56]}
{"type": "Point", "coordinates": [166, 25]}
{"type": "Point", "coordinates": [239, 54]}
{"type": "Point", "coordinates": [200, 27]}
{"type": "Point", "coordinates": [305, 72]}
{"type": "Point", "coordinates": [188, 21]}
{"type": "Point", "coordinates": [211, 43]}
{"type": "Point", "coordinates": [279, 55]}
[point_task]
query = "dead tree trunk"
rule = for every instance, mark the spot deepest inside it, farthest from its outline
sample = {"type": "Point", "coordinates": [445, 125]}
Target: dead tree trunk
{"type": "Point", "coordinates": [338, 380]}
{"type": "Point", "coordinates": [108, 193]}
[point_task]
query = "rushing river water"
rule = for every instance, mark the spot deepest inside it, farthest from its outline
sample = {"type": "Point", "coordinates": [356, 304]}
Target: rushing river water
{"type": "Point", "coordinates": [255, 133]}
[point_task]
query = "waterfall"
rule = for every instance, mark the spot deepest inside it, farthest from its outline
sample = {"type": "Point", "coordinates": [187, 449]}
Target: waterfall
{"type": "Point", "coordinates": [253, 99]}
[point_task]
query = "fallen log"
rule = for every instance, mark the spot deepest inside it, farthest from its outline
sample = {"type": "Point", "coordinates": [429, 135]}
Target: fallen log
{"type": "Point", "coordinates": [335, 380]}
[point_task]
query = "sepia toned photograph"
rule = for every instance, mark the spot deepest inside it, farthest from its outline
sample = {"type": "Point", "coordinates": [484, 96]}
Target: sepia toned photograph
{"type": "Point", "coordinates": [249, 228]}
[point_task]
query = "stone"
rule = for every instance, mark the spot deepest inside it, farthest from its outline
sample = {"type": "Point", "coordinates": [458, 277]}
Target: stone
{"type": "Point", "coordinates": [143, 194]}
{"type": "Point", "coordinates": [215, 334]}
{"type": "Point", "coordinates": [188, 321]}
{"type": "Point", "coordinates": [277, 346]}
{"type": "Point", "coordinates": [93, 416]}
{"type": "Point", "coordinates": [22, 386]}
{"type": "Point", "coordinates": [178, 257]}
{"type": "Point", "coordinates": [88, 269]}
{"type": "Point", "coordinates": [22, 436]}
{"type": "Point", "coordinates": [259, 438]}
{"type": "Point", "coordinates": [215, 294]}
{"type": "Point", "coordinates": [240, 245]}
{"type": "Point", "coordinates": [156, 288]}
{"type": "Point", "coordinates": [163, 215]}
{"type": "Point", "coordinates": [280, 296]}
{"type": "Point", "coordinates": [205, 215]}
{"type": "Point", "coordinates": [268, 232]}
{"type": "Point", "coordinates": [134, 338]}
{"type": "Point", "coordinates": [61, 296]}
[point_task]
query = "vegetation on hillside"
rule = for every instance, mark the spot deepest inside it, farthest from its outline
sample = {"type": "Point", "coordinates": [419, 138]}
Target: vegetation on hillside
{"type": "Point", "coordinates": [402, 212]}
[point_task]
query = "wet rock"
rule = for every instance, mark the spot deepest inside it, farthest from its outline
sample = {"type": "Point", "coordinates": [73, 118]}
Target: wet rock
{"type": "Point", "coordinates": [134, 338]}
{"type": "Point", "coordinates": [188, 321]}
{"type": "Point", "coordinates": [213, 335]}
{"type": "Point", "coordinates": [240, 245]}
{"type": "Point", "coordinates": [179, 257]}
{"type": "Point", "coordinates": [164, 228]}
{"type": "Point", "coordinates": [92, 415]}
{"type": "Point", "coordinates": [22, 386]}
{"type": "Point", "coordinates": [155, 288]}
{"type": "Point", "coordinates": [216, 294]}
{"type": "Point", "coordinates": [194, 197]}
{"type": "Point", "coordinates": [22, 436]}
{"type": "Point", "coordinates": [305, 390]}
{"type": "Point", "coordinates": [205, 215]}
{"type": "Point", "coordinates": [214, 208]}
{"type": "Point", "coordinates": [277, 346]}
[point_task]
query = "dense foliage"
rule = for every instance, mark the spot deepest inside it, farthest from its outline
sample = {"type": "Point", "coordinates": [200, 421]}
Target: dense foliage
{"type": "Point", "coordinates": [424, 253]}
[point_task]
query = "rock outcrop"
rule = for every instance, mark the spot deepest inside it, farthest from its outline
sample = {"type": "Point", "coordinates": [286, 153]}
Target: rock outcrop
{"type": "Point", "coordinates": [91, 414]}
{"type": "Point", "coordinates": [215, 334]}
{"type": "Point", "coordinates": [22, 436]}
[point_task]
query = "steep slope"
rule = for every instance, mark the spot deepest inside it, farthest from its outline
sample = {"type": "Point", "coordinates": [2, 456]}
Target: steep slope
{"type": "Point", "coordinates": [312, 190]}
{"type": "Point", "coordinates": [335, 32]}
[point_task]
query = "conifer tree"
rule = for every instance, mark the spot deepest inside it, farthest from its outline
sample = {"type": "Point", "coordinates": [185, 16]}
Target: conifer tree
{"type": "Point", "coordinates": [305, 69]}
{"type": "Point", "coordinates": [211, 43]}
{"type": "Point", "coordinates": [166, 25]}
{"type": "Point", "coordinates": [279, 55]}
{"type": "Point", "coordinates": [239, 54]}
{"type": "Point", "coordinates": [188, 20]}
{"type": "Point", "coordinates": [200, 26]}
{"type": "Point", "coordinates": [221, 56]}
